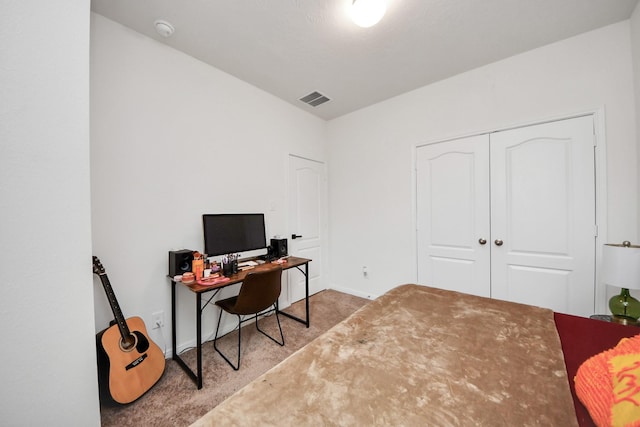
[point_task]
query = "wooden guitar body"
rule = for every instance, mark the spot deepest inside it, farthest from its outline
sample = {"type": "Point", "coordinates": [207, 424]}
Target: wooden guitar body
{"type": "Point", "coordinates": [129, 363]}
{"type": "Point", "coordinates": [132, 371]}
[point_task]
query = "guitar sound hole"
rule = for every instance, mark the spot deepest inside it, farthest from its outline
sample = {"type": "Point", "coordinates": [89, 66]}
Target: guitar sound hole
{"type": "Point", "coordinates": [136, 340]}
{"type": "Point", "coordinates": [129, 343]}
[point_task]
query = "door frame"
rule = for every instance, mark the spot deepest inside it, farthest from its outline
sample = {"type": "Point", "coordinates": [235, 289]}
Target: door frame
{"type": "Point", "coordinates": [600, 164]}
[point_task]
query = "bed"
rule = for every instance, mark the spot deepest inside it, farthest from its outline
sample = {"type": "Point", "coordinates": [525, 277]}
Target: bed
{"type": "Point", "coordinates": [420, 356]}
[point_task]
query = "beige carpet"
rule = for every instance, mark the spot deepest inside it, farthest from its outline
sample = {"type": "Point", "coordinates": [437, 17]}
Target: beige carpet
{"type": "Point", "coordinates": [175, 400]}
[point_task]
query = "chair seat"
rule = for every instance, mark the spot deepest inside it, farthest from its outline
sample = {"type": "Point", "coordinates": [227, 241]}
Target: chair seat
{"type": "Point", "coordinates": [255, 305]}
{"type": "Point", "coordinates": [227, 304]}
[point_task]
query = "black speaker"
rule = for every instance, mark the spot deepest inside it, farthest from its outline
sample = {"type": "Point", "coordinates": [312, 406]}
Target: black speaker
{"type": "Point", "coordinates": [180, 261]}
{"type": "Point", "coordinates": [278, 247]}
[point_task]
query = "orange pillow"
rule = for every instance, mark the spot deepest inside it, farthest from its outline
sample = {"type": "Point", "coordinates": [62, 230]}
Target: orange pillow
{"type": "Point", "coordinates": [608, 384]}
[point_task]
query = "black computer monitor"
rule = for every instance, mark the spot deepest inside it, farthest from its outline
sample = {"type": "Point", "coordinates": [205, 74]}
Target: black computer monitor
{"type": "Point", "coordinates": [233, 233]}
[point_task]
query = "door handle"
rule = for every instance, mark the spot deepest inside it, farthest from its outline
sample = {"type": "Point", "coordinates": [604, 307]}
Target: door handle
{"type": "Point", "coordinates": [482, 241]}
{"type": "Point", "coordinates": [498, 242]}
{"type": "Point", "coordinates": [295, 236]}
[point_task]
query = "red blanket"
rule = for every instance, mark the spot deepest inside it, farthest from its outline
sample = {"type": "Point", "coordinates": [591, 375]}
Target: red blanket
{"type": "Point", "coordinates": [582, 338]}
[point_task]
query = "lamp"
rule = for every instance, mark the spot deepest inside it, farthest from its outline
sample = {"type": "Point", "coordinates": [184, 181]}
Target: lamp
{"type": "Point", "coordinates": [366, 13]}
{"type": "Point", "coordinates": [621, 268]}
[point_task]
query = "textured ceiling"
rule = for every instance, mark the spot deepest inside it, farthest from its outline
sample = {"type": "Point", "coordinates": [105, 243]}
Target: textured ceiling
{"type": "Point", "coordinates": [290, 48]}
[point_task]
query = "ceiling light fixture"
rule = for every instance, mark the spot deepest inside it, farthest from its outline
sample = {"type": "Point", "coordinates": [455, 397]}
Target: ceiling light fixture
{"type": "Point", "coordinates": [163, 28]}
{"type": "Point", "coordinates": [366, 13]}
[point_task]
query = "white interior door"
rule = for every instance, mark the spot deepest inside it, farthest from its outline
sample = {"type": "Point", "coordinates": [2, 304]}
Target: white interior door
{"type": "Point", "coordinates": [453, 215]}
{"type": "Point", "coordinates": [307, 219]}
{"type": "Point", "coordinates": [543, 214]}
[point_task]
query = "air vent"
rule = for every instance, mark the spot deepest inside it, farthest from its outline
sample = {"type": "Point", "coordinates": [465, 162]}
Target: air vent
{"type": "Point", "coordinates": [314, 99]}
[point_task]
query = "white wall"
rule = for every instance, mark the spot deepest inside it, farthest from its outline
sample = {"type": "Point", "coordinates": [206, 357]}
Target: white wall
{"type": "Point", "coordinates": [635, 52]}
{"type": "Point", "coordinates": [47, 357]}
{"type": "Point", "coordinates": [173, 138]}
{"type": "Point", "coordinates": [371, 150]}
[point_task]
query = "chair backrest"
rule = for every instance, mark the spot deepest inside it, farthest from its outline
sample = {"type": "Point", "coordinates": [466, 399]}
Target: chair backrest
{"type": "Point", "coordinates": [259, 291]}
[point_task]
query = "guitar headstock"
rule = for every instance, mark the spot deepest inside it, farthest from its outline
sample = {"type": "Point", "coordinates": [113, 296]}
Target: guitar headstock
{"type": "Point", "coordinates": [97, 266]}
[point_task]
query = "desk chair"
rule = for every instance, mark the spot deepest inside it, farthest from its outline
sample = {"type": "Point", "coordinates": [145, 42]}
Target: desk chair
{"type": "Point", "coordinates": [259, 291]}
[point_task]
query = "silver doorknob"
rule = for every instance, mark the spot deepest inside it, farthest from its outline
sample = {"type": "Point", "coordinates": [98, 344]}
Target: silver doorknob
{"type": "Point", "coordinates": [482, 241]}
{"type": "Point", "coordinates": [498, 242]}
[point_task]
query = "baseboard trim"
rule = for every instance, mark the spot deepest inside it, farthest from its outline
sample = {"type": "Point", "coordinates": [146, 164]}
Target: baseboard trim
{"type": "Point", "coordinates": [353, 292]}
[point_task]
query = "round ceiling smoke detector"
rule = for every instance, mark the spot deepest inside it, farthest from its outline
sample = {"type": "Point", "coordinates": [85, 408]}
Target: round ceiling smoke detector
{"type": "Point", "coordinates": [164, 28]}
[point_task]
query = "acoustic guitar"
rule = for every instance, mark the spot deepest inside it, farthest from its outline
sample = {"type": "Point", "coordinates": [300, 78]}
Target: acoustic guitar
{"type": "Point", "coordinates": [129, 363]}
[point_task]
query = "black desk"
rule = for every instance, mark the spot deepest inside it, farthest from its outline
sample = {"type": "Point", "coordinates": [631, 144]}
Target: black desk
{"type": "Point", "coordinates": [199, 290]}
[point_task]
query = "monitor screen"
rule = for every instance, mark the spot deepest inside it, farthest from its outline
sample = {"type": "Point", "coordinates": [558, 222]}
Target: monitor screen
{"type": "Point", "coordinates": [232, 233]}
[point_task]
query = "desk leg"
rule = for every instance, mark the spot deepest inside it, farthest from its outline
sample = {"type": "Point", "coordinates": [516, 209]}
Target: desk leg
{"type": "Point", "coordinates": [306, 289]}
{"type": "Point", "coordinates": [196, 378]}
{"type": "Point", "coordinates": [199, 338]}
{"type": "Point", "coordinates": [306, 298]}
{"type": "Point", "coordinates": [173, 320]}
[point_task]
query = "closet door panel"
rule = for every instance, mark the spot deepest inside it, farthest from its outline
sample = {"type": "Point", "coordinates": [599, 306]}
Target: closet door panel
{"type": "Point", "coordinates": [453, 215]}
{"type": "Point", "coordinates": [537, 197]}
{"type": "Point", "coordinates": [551, 286]}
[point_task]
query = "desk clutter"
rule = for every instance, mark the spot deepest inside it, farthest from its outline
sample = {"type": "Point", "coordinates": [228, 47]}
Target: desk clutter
{"type": "Point", "coordinates": [209, 281]}
{"type": "Point", "coordinates": [189, 278]}
{"type": "Point", "coordinates": [190, 267]}
{"type": "Point", "coordinates": [193, 265]}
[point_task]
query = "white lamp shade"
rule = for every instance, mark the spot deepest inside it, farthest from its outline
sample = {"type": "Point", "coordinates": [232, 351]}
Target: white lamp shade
{"type": "Point", "coordinates": [621, 266]}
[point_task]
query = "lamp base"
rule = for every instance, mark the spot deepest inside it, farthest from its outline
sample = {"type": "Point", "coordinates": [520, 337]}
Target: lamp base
{"type": "Point", "coordinates": [625, 320]}
{"type": "Point", "coordinates": [625, 308]}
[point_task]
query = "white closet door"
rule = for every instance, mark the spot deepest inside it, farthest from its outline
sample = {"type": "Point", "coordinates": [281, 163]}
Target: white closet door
{"type": "Point", "coordinates": [543, 212]}
{"type": "Point", "coordinates": [453, 215]}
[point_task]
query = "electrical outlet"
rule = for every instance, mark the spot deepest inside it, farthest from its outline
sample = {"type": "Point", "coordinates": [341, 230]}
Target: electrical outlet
{"type": "Point", "coordinates": [158, 319]}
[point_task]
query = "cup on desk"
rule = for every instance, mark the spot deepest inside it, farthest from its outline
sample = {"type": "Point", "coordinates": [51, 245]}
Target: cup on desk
{"type": "Point", "coordinates": [227, 269]}
{"type": "Point", "coordinates": [207, 272]}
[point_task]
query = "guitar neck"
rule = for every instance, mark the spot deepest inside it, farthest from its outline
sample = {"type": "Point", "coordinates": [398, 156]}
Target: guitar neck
{"type": "Point", "coordinates": [115, 307]}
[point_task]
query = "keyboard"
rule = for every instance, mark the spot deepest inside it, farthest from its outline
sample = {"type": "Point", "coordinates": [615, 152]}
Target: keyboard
{"type": "Point", "coordinates": [247, 264]}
